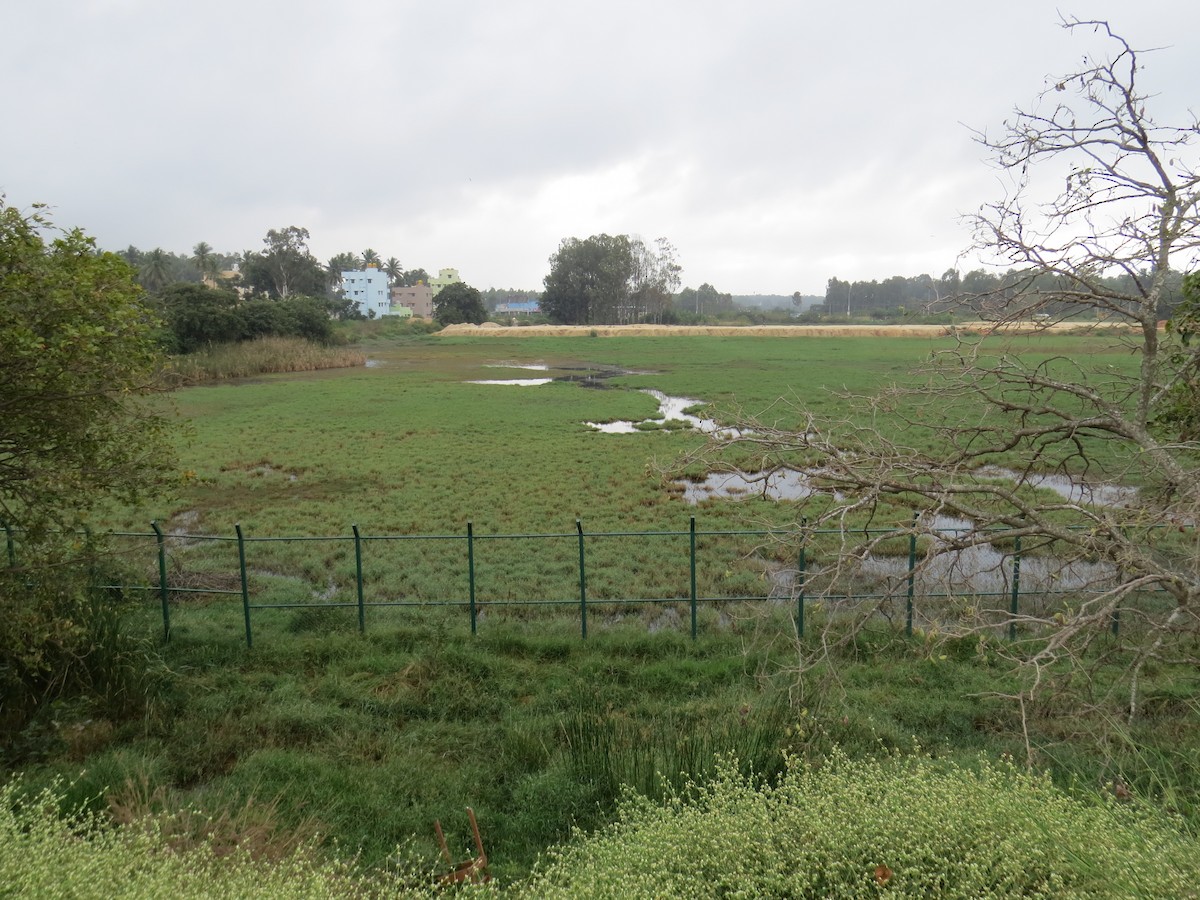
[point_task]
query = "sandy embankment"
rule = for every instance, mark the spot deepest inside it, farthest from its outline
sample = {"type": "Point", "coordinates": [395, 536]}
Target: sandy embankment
{"type": "Point", "coordinates": [491, 328]}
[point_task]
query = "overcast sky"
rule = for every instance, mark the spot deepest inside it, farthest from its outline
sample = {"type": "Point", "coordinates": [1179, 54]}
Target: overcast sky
{"type": "Point", "coordinates": [776, 144]}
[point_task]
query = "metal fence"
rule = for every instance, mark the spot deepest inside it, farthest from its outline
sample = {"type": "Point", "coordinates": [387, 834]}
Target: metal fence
{"type": "Point", "coordinates": [460, 585]}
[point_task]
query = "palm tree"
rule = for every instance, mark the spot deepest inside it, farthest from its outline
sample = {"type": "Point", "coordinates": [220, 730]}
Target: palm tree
{"type": "Point", "coordinates": [156, 270]}
{"type": "Point", "coordinates": [343, 262]}
{"type": "Point", "coordinates": [370, 257]}
{"type": "Point", "coordinates": [205, 261]}
{"type": "Point", "coordinates": [394, 270]}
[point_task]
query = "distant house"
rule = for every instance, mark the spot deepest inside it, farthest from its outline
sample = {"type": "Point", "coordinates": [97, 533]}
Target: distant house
{"type": "Point", "coordinates": [444, 277]}
{"type": "Point", "coordinates": [521, 308]}
{"type": "Point", "coordinates": [418, 299]}
{"type": "Point", "coordinates": [368, 290]}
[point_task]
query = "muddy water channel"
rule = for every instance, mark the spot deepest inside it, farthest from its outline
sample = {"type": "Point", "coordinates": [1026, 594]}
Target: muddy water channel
{"type": "Point", "coordinates": [672, 411]}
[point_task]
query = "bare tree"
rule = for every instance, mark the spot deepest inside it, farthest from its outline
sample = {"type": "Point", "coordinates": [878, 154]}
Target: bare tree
{"type": "Point", "coordinates": [979, 436]}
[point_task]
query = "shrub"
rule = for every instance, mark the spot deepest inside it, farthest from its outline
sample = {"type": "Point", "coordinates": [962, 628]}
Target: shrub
{"type": "Point", "coordinates": [62, 635]}
{"type": "Point", "coordinates": [43, 855]}
{"type": "Point", "coordinates": [907, 826]}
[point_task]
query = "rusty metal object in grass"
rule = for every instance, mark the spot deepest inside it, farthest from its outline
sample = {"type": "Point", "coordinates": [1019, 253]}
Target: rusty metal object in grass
{"type": "Point", "coordinates": [471, 871]}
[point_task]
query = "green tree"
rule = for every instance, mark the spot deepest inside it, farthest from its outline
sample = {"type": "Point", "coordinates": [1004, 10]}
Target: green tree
{"type": "Point", "coordinates": [286, 266]}
{"type": "Point", "coordinates": [459, 302]}
{"type": "Point", "coordinates": [1179, 412]}
{"type": "Point", "coordinates": [79, 356]}
{"type": "Point", "coordinates": [197, 315]}
{"type": "Point", "coordinates": [155, 271]}
{"type": "Point", "coordinates": [205, 260]}
{"type": "Point", "coordinates": [393, 269]}
{"type": "Point", "coordinates": [654, 276]}
{"type": "Point", "coordinates": [342, 262]}
{"type": "Point", "coordinates": [413, 277]}
{"type": "Point", "coordinates": [370, 257]}
{"type": "Point", "coordinates": [589, 280]}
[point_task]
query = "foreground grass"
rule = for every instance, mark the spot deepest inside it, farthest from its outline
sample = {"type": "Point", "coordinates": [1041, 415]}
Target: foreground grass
{"type": "Point", "coordinates": [904, 826]}
{"type": "Point", "coordinates": [367, 740]}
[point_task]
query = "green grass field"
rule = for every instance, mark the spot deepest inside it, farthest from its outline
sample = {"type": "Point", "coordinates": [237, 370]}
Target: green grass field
{"type": "Point", "coordinates": [369, 738]}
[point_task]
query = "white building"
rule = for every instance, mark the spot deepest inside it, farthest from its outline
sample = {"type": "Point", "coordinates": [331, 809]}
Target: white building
{"type": "Point", "coordinates": [368, 290]}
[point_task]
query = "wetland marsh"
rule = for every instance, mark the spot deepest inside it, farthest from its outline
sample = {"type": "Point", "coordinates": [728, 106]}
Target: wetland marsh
{"type": "Point", "coordinates": [372, 737]}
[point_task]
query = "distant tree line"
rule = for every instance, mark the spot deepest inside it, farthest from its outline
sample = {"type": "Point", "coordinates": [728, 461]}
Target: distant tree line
{"type": "Point", "coordinates": [704, 300]}
{"type": "Point", "coordinates": [977, 290]}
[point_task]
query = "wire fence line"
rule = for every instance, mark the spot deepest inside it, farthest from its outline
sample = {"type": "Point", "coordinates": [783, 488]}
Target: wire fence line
{"type": "Point", "coordinates": [912, 570]}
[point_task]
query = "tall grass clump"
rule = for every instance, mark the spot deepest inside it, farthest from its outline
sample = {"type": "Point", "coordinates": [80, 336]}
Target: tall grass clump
{"type": "Point", "coordinates": [259, 357]}
{"type": "Point", "coordinates": [900, 826]}
{"type": "Point", "coordinates": [612, 752]}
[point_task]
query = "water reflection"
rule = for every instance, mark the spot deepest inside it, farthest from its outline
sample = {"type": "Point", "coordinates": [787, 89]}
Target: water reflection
{"type": "Point", "coordinates": [792, 484]}
{"type": "Point", "coordinates": [1066, 487]}
{"type": "Point", "coordinates": [670, 410]}
{"type": "Point", "coordinates": [519, 382]}
{"type": "Point", "coordinates": [778, 484]}
{"type": "Point", "coordinates": [982, 569]}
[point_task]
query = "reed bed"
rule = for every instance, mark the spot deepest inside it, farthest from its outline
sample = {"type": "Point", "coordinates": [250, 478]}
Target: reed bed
{"type": "Point", "coordinates": [259, 357]}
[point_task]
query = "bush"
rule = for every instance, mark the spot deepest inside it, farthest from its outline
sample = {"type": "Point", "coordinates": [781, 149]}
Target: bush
{"type": "Point", "coordinates": [198, 316]}
{"type": "Point", "coordinates": [62, 635]}
{"type": "Point", "coordinates": [909, 826]}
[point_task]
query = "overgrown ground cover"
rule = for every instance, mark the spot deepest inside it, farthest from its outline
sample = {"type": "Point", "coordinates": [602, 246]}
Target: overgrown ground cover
{"type": "Point", "coordinates": [370, 738]}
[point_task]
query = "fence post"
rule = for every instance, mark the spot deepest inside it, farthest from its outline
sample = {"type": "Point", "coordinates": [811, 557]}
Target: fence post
{"type": "Point", "coordinates": [801, 574]}
{"type": "Point", "coordinates": [358, 580]}
{"type": "Point", "coordinates": [12, 547]}
{"type": "Point", "coordinates": [912, 569]}
{"type": "Point", "coordinates": [471, 572]}
{"type": "Point", "coordinates": [692, 533]}
{"type": "Point", "coordinates": [241, 542]}
{"type": "Point", "coordinates": [582, 584]}
{"type": "Point", "coordinates": [163, 593]}
{"type": "Point", "coordinates": [1014, 606]}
